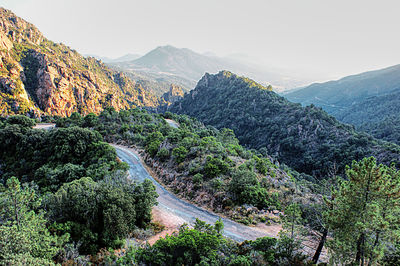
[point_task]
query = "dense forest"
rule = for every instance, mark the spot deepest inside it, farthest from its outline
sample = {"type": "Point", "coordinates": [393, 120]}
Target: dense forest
{"type": "Point", "coordinates": [369, 101]}
{"type": "Point", "coordinates": [305, 138]}
{"type": "Point", "coordinates": [378, 116]}
{"type": "Point", "coordinates": [71, 194]}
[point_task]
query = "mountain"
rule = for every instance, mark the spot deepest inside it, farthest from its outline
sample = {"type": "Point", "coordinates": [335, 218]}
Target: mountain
{"type": "Point", "coordinates": [186, 67]}
{"type": "Point", "coordinates": [334, 96]}
{"type": "Point", "coordinates": [305, 138]}
{"type": "Point", "coordinates": [124, 58]}
{"type": "Point", "coordinates": [38, 76]}
{"type": "Point", "coordinates": [377, 115]}
{"type": "Point", "coordinates": [370, 101]}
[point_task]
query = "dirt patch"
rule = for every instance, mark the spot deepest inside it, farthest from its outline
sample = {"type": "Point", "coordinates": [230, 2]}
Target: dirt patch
{"type": "Point", "coordinates": [168, 219]}
{"type": "Point", "coordinates": [271, 230]}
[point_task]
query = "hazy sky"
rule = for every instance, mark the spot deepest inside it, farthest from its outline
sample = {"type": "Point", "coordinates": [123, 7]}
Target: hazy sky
{"type": "Point", "coordinates": [338, 37]}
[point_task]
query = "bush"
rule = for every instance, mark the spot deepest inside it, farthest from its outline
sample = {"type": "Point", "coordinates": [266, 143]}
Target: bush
{"type": "Point", "coordinates": [163, 154]}
{"type": "Point", "coordinates": [179, 154]}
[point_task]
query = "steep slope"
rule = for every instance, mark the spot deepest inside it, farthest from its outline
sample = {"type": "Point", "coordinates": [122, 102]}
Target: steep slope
{"type": "Point", "coordinates": [370, 101]}
{"type": "Point", "coordinates": [377, 115]}
{"type": "Point", "coordinates": [305, 138]}
{"type": "Point", "coordinates": [174, 94]}
{"type": "Point", "coordinates": [185, 67]}
{"type": "Point", "coordinates": [38, 76]}
{"type": "Point", "coordinates": [335, 96]}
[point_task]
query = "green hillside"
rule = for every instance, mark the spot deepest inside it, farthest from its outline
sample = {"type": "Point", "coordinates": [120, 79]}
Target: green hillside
{"type": "Point", "coordinates": [305, 138]}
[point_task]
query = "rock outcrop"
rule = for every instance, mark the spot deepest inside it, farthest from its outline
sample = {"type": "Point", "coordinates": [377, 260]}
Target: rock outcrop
{"type": "Point", "coordinates": [38, 76]}
{"type": "Point", "coordinates": [174, 94]}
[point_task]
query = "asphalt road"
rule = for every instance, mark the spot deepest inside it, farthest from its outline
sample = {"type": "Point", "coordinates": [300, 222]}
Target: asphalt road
{"type": "Point", "coordinates": [46, 126]}
{"type": "Point", "coordinates": [183, 209]}
{"type": "Point", "coordinates": [170, 203]}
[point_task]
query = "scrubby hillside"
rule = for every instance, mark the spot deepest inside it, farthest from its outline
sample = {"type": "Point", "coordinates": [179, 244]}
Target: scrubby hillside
{"type": "Point", "coordinates": [305, 138]}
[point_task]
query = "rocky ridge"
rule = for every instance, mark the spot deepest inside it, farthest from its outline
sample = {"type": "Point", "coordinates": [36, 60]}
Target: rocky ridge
{"type": "Point", "coordinates": [38, 76]}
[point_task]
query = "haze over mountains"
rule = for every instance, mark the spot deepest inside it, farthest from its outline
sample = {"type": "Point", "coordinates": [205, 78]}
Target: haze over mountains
{"type": "Point", "coordinates": [124, 58]}
{"type": "Point", "coordinates": [370, 101]}
{"type": "Point", "coordinates": [185, 67]}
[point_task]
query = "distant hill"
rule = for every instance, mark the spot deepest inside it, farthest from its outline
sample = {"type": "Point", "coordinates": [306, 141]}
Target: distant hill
{"type": "Point", "coordinates": [124, 58]}
{"type": "Point", "coordinates": [377, 115]}
{"type": "Point", "coordinates": [38, 76]}
{"type": "Point", "coordinates": [334, 96]}
{"type": "Point", "coordinates": [305, 138]}
{"type": "Point", "coordinates": [370, 101]}
{"type": "Point", "coordinates": [185, 67]}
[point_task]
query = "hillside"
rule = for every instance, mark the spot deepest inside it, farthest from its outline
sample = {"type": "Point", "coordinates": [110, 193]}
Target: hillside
{"type": "Point", "coordinates": [335, 96]}
{"type": "Point", "coordinates": [38, 76]}
{"type": "Point", "coordinates": [185, 67]}
{"type": "Point", "coordinates": [377, 115]}
{"type": "Point", "coordinates": [370, 101]}
{"type": "Point", "coordinates": [305, 138]}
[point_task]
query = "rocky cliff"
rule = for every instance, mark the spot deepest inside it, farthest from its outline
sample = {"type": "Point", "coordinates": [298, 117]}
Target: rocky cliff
{"type": "Point", "coordinates": [38, 76]}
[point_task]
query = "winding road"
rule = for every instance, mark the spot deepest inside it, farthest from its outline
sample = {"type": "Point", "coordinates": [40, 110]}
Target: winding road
{"type": "Point", "coordinates": [184, 210]}
{"type": "Point", "coordinates": [171, 205]}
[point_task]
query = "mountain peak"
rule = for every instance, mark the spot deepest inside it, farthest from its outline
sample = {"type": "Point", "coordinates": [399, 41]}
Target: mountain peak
{"type": "Point", "coordinates": [17, 29]}
{"type": "Point", "coordinates": [225, 76]}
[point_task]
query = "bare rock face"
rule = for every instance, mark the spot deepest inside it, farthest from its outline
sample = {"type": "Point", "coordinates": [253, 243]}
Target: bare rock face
{"type": "Point", "coordinates": [17, 29]}
{"type": "Point", "coordinates": [5, 43]}
{"type": "Point", "coordinates": [39, 76]}
{"type": "Point", "coordinates": [174, 94]}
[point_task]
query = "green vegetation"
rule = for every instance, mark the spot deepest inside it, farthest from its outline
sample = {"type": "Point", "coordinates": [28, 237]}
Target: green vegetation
{"type": "Point", "coordinates": [368, 101]}
{"type": "Point", "coordinates": [378, 116]}
{"type": "Point", "coordinates": [363, 214]}
{"type": "Point", "coordinates": [204, 245]}
{"type": "Point", "coordinates": [305, 138]}
{"type": "Point", "coordinates": [75, 194]}
{"type": "Point", "coordinates": [51, 158]}
{"type": "Point", "coordinates": [24, 237]}
{"type": "Point", "coordinates": [101, 214]}
{"type": "Point", "coordinates": [203, 160]}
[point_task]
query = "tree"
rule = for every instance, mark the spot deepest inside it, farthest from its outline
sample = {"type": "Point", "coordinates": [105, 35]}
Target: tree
{"type": "Point", "coordinates": [21, 120]}
{"type": "Point", "coordinates": [23, 232]}
{"type": "Point", "coordinates": [364, 213]}
{"type": "Point", "coordinates": [101, 214]}
{"type": "Point", "coordinates": [196, 246]}
{"type": "Point", "coordinates": [292, 232]}
{"type": "Point", "coordinates": [179, 154]}
{"type": "Point", "coordinates": [90, 120]}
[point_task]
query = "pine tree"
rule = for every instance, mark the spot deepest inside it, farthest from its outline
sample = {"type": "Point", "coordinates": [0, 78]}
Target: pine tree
{"type": "Point", "coordinates": [363, 214]}
{"type": "Point", "coordinates": [24, 237]}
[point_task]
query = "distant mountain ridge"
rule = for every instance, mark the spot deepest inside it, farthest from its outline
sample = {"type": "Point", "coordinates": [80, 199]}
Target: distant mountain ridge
{"type": "Point", "coordinates": [339, 94]}
{"type": "Point", "coordinates": [124, 58]}
{"type": "Point", "coordinates": [38, 76]}
{"type": "Point", "coordinates": [370, 101]}
{"type": "Point", "coordinates": [185, 67]}
{"type": "Point", "coordinates": [305, 138]}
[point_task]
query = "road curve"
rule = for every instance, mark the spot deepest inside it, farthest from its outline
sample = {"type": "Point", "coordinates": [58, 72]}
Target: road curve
{"type": "Point", "coordinates": [186, 211]}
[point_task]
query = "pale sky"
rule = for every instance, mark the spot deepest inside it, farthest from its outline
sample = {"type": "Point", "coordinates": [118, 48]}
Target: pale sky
{"type": "Point", "coordinates": [336, 37]}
